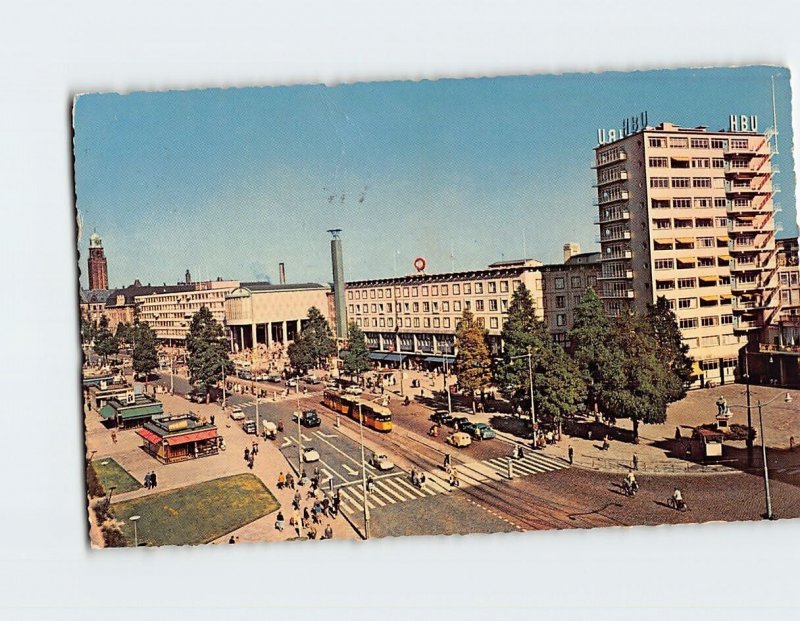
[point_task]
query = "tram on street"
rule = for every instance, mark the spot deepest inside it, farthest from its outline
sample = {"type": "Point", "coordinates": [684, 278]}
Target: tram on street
{"type": "Point", "coordinates": [376, 416]}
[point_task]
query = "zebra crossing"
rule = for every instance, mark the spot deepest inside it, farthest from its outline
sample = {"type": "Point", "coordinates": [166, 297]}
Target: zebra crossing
{"type": "Point", "coordinates": [397, 487]}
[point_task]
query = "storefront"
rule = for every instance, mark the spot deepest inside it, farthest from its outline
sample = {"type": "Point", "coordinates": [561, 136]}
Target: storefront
{"type": "Point", "coordinates": [133, 411]}
{"type": "Point", "coordinates": [178, 438]}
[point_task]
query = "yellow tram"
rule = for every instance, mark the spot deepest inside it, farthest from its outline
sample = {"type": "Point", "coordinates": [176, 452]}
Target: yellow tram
{"type": "Point", "coordinates": [376, 416]}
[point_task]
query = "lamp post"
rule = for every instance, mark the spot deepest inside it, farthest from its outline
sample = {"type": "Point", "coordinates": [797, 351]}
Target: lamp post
{"type": "Point", "coordinates": [787, 398]}
{"type": "Point", "coordinates": [134, 519]}
{"type": "Point", "coordinates": [299, 441]}
{"type": "Point", "coordinates": [444, 380]}
{"type": "Point", "coordinates": [363, 471]}
{"type": "Point", "coordinates": [530, 383]}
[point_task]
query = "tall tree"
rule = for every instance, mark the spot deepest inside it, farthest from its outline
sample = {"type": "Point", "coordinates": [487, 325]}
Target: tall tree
{"type": "Point", "coordinates": [473, 364]}
{"type": "Point", "coordinates": [315, 343]}
{"type": "Point", "coordinates": [207, 351]}
{"type": "Point", "coordinates": [105, 343]}
{"type": "Point", "coordinates": [356, 360]}
{"type": "Point", "coordinates": [123, 334]}
{"type": "Point", "coordinates": [88, 330]}
{"type": "Point", "coordinates": [145, 353]}
{"type": "Point", "coordinates": [672, 351]}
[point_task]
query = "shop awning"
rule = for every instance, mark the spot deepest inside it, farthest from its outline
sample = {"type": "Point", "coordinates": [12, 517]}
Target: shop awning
{"type": "Point", "coordinates": [663, 241]}
{"type": "Point", "coordinates": [691, 260]}
{"type": "Point", "coordinates": [392, 357]}
{"type": "Point", "coordinates": [708, 278]}
{"type": "Point", "coordinates": [441, 359]}
{"type": "Point", "coordinates": [197, 436]}
{"type": "Point", "coordinates": [685, 240]}
{"type": "Point", "coordinates": [377, 355]}
{"type": "Point", "coordinates": [709, 298]}
{"type": "Point", "coordinates": [144, 411]}
{"type": "Point", "coordinates": [696, 370]}
{"type": "Point", "coordinates": [152, 438]}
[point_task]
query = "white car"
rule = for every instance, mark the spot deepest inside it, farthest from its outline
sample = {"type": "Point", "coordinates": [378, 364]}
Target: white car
{"type": "Point", "coordinates": [236, 413]}
{"type": "Point", "coordinates": [291, 383]}
{"type": "Point", "coordinates": [353, 390]}
{"type": "Point", "coordinates": [310, 454]}
{"type": "Point", "coordinates": [382, 462]}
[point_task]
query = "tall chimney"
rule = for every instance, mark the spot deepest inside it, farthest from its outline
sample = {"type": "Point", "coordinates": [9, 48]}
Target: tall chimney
{"type": "Point", "coordinates": [570, 250]}
{"type": "Point", "coordinates": [338, 284]}
{"type": "Point", "coordinates": [282, 273]}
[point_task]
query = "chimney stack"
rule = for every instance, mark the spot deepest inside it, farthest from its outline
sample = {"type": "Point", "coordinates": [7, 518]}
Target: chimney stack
{"type": "Point", "coordinates": [282, 273]}
{"type": "Point", "coordinates": [338, 284]}
{"type": "Point", "coordinates": [570, 250]}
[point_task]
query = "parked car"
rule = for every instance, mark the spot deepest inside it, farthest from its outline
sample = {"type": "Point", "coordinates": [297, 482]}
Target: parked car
{"type": "Point", "coordinates": [459, 439]}
{"type": "Point", "coordinates": [381, 462]}
{"type": "Point", "coordinates": [310, 379]}
{"type": "Point", "coordinates": [481, 431]}
{"type": "Point", "coordinates": [353, 390]}
{"type": "Point", "coordinates": [237, 413]}
{"type": "Point", "coordinates": [292, 382]}
{"type": "Point", "coordinates": [443, 417]}
{"type": "Point", "coordinates": [274, 378]}
{"type": "Point", "coordinates": [310, 418]}
{"type": "Point", "coordinates": [310, 454]}
{"type": "Point", "coordinates": [461, 421]}
{"type": "Point", "coordinates": [249, 426]}
{"type": "Point", "coordinates": [332, 386]}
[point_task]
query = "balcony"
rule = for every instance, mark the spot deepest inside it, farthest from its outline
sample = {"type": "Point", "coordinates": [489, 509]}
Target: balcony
{"type": "Point", "coordinates": [616, 256]}
{"type": "Point", "coordinates": [745, 266]}
{"type": "Point", "coordinates": [619, 294]}
{"type": "Point", "coordinates": [617, 275]}
{"type": "Point", "coordinates": [615, 236]}
{"type": "Point", "coordinates": [608, 197]}
{"type": "Point", "coordinates": [614, 216]}
{"type": "Point", "coordinates": [610, 157]}
{"type": "Point", "coordinates": [622, 176]}
{"type": "Point", "coordinates": [742, 325]}
{"type": "Point", "coordinates": [742, 306]}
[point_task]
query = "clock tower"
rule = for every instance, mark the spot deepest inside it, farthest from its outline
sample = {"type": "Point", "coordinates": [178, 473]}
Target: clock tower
{"type": "Point", "coordinates": [98, 268]}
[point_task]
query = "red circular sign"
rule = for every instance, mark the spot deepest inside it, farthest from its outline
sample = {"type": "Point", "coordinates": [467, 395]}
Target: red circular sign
{"type": "Point", "coordinates": [419, 263]}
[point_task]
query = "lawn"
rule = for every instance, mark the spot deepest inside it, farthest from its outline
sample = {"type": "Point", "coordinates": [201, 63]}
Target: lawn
{"type": "Point", "coordinates": [198, 513]}
{"type": "Point", "coordinates": [111, 474]}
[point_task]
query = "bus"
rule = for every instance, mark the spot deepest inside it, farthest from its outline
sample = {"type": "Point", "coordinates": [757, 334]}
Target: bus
{"type": "Point", "coordinates": [376, 416]}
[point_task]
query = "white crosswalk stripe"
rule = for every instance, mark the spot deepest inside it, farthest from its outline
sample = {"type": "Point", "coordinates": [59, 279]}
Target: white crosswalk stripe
{"type": "Point", "coordinates": [397, 488]}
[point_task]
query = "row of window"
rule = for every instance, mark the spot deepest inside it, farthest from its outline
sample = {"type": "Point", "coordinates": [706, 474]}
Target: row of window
{"type": "Point", "coordinates": [690, 244]}
{"type": "Point", "coordinates": [695, 162]}
{"type": "Point", "coordinates": [457, 288]}
{"type": "Point", "coordinates": [692, 283]}
{"type": "Point", "coordinates": [575, 282]}
{"type": "Point", "coordinates": [690, 263]}
{"type": "Point", "coordinates": [689, 323]}
{"type": "Point", "coordinates": [688, 223]}
{"type": "Point", "coordinates": [493, 305]}
{"type": "Point", "coordinates": [422, 322]}
{"type": "Point", "coordinates": [684, 182]}
{"type": "Point", "coordinates": [681, 142]}
{"type": "Point", "coordinates": [699, 202]}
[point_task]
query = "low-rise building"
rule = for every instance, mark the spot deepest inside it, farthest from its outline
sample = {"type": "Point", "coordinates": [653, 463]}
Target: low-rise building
{"type": "Point", "coordinates": [132, 411]}
{"type": "Point", "coordinates": [178, 438]}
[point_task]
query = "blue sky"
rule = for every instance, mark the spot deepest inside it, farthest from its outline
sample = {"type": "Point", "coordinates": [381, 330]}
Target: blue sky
{"type": "Point", "coordinates": [231, 182]}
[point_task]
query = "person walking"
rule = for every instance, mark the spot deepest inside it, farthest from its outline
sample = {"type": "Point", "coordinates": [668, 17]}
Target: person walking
{"type": "Point", "coordinates": [153, 482]}
{"type": "Point", "coordinates": [328, 532]}
{"type": "Point", "coordinates": [296, 501]}
{"type": "Point", "coordinates": [635, 461]}
{"type": "Point", "coordinates": [570, 454]}
{"type": "Point", "coordinates": [279, 521]}
{"type": "Point", "coordinates": [246, 453]}
{"type": "Point", "coordinates": [114, 436]}
{"type": "Point", "coordinates": [147, 481]}
{"type": "Point", "coordinates": [281, 480]}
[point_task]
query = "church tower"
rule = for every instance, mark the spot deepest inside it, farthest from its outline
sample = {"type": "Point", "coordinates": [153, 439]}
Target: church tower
{"type": "Point", "coordinates": [98, 268]}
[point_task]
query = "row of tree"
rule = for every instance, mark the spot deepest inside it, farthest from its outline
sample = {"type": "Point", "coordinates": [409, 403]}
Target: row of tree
{"type": "Point", "coordinates": [138, 337]}
{"type": "Point", "coordinates": [630, 366]}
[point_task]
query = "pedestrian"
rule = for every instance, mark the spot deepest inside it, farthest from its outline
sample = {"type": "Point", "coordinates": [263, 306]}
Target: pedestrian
{"type": "Point", "coordinates": [328, 532]}
{"type": "Point", "coordinates": [421, 480]}
{"type": "Point", "coordinates": [413, 476]}
{"type": "Point", "coordinates": [147, 481]}
{"type": "Point", "coordinates": [281, 480]}
{"type": "Point", "coordinates": [570, 454]}
{"type": "Point", "coordinates": [306, 517]}
{"type": "Point", "coordinates": [232, 539]}
{"type": "Point", "coordinates": [212, 419]}
{"type": "Point", "coordinates": [251, 462]}
{"type": "Point", "coordinates": [454, 482]}
{"type": "Point", "coordinates": [246, 453]}
{"type": "Point", "coordinates": [312, 533]}
{"type": "Point", "coordinates": [114, 436]}
{"type": "Point", "coordinates": [289, 480]}
{"type": "Point", "coordinates": [153, 482]}
{"type": "Point", "coordinates": [791, 443]}
{"type": "Point", "coordinates": [677, 433]}
{"type": "Point", "coordinates": [296, 501]}
{"type": "Point", "coordinates": [635, 461]}
{"type": "Point", "coordinates": [279, 521]}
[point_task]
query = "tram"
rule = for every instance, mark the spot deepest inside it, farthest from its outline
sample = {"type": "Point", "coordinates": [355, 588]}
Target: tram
{"type": "Point", "coordinates": [376, 416]}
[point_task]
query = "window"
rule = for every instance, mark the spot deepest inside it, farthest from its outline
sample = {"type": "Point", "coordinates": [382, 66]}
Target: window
{"type": "Point", "coordinates": [426, 307]}
{"type": "Point", "coordinates": [687, 302]}
{"type": "Point", "coordinates": [350, 295]}
{"type": "Point", "coordinates": [705, 262]}
{"type": "Point", "coordinates": [702, 203]}
{"type": "Point", "coordinates": [561, 319]}
{"type": "Point", "coordinates": [575, 282]}
{"type": "Point", "coordinates": [492, 287]}
{"type": "Point", "coordinates": [445, 307]}
{"type": "Point", "coordinates": [707, 322]}
{"type": "Point", "coordinates": [561, 301]}
{"type": "Point", "coordinates": [374, 308]}
{"type": "Point", "coordinates": [380, 293]}
{"type": "Point", "coordinates": [426, 322]}
{"type": "Point", "coordinates": [467, 305]}
{"type": "Point", "coordinates": [382, 322]}
{"type": "Point", "coordinates": [349, 310]}
{"type": "Point", "coordinates": [664, 264]}
{"type": "Point", "coordinates": [446, 322]}
{"type": "Point", "coordinates": [722, 222]}
{"type": "Point", "coordinates": [680, 182]}
{"type": "Point", "coordinates": [687, 323]}
{"type": "Point", "coordinates": [665, 285]}
{"type": "Point", "coordinates": [687, 283]}
{"type": "Point", "coordinates": [444, 289]}
{"type": "Point", "coordinates": [479, 305]}
{"type": "Point", "coordinates": [678, 142]}
{"type": "Point", "coordinates": [683, 223]}
{"type": "Point", "coordinates": [591, 281]}
{"type": "Point", "coordinates": [679, 162]}
{"type": "Point", "coordinates": [658, 162]}
{"type": "Point", "coordinates": [720, 202]}
{"type": "Point", "coordinates": [405, 292]}
{"type": "Point", "coordinates": [414, 292]}
{"type": "Point", "coordinates": [657, 142]}
{"type": "Point", "coordinates": [559, 282]}
{"type": "Point", "coordinates": [719, 143]}
{"type": "Point", "coordinates": [372, 293]}
{"type": "Point", "coordinates": [699, 143]}
{"type": "Point", "coordinates": [435, 290]}
{"type": "Point", "coordinates": [726, 320]}
{"type": "Point", "coordinates": [425, 290]}
{"type": "Point", "coordinates": [659, 204]}
{"type": "Point", "coordinates": [457, 306]}
{"type": "Point", "coordinates": [493, 305]}
{"type": "Point", "coordinates": [705, 242]}
{"type": "Point", "coordinates": [436, 322]}
{"type": "Point", "coordinates": [456, 289]}
{"type": "Point", "coordinates": [701, 182]}
{"type": "Point", "coordinates": [503, 286]}
{"type": "Point", "coordinates": [478, 288]}
{"type": "Point", "coordinates": [435, 307]}
{"type": "Point", "coordinates": [717, 162]}
{"type": "Point", "coordinates": [406, 307]}
{"type": "Point", "coordinates": [681, 203]}
{"type": "Point", "coordinates": [504, 305]}
{"type": "Point", "coordinates": [416, 322]}
{"type": "Point", "coordinates": [662, 223]}
{"type": "Point", "coordinates": [467, 288]}
{"type": "Point", "coordinates": [415, 307]}
{"type": "Point", "coordinates": [388, 292]}
{"type": "Point", "coordinates": [493, 322]}
{"type": "Point", "coordinates": [709, 341]}
{"type": "Point", "coordinates": [704, 223]}
{"type": "Point", "coordinates": [739, 143]}
{"type": "Point", "coordinates": [659, 182]}
{"type": "Point", "coordinates": [407, 322]}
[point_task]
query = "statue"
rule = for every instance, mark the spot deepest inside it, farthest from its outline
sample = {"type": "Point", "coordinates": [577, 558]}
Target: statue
{"type": "Point", "coordinates": [722, 407]}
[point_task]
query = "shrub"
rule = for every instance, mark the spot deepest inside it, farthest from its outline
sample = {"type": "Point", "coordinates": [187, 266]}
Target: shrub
{"type": "Point", "coordinates": [93, 485]}
{"type": "Point", "coordinates": [113, 537]}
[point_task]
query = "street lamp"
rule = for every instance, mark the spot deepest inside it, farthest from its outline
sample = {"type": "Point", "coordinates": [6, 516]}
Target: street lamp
{"type": "Point", "coordinates": [134, 519]}
{"type": "Point", "coordinates": [530, 383]}
{"type": "Point", "coordinates": [787, 398]}
{"type": "Point", "coordinates": [444, 379]}
{"type": "Point", "coordinates": [363, 471]}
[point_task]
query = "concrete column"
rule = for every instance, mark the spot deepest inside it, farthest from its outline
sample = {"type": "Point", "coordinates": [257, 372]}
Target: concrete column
{"type": "Point", "coordinates": [230, 338]}
{"type": "Point", "coordinates": [435, 344]}
{"type": "Point", "coordinates": [253, 333]}
{"type": "Point", "coordinates": [241, 337]}
{"type": "Point", "coordinates": [297, 330]}
{"type": "Point", "coordinates": [416, 344]}
{"type": "Point", "coordinates": [396, 345]}
{"type": "Point", "coordinates": [283, 336]}
{"type": "Point", "coordinates": [782, 370]}
{"type": "Point", "coordinates": [269, 334]}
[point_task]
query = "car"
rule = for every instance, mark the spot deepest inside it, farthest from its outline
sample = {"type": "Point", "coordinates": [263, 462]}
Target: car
{"type": "Point", "coordinates": [353, 390]}
{"type": "Point", "coordinates": [310, 454]}
{"type": "Point", "coordinates": [310, 379]}
{"type": "Point", "coordinates": [481, 431]}
{"type": "Point", "coordinates": [461, 421]}
{"type": "Point", "coordinates": [442, 417]}
{"type": "Point", "coordinates": [262, 377]}
{"type": "Point", "coordinates": [249, 426]}
{"type": "Point", "coordinates": [310, 418]}
{"type": "Point", "coordinates": [381, 462]}
{"type": "Point", "coordinates": [459, 439]}
{"type": "Point", "coordinates": [292, 382]}
{"type": "Point", "coordinates": [237, 413]}
{"type": "Point", "coordinates": [332, 386]}
{"type": "Point", "coordinates": [275, 379]}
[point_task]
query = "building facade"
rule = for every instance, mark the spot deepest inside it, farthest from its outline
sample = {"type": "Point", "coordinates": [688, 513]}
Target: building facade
{"type": "Point", "coordinates": [98, 267]}
{"type": "Point", "coordinates": [687, 214]}
{"type": "Point", "coordinates": [262, 313]}
{"type": "Point", "coordinates": [563, 287]}
{"type": "Point", "coordinates": [784, 331]}
{"type": "Point", "coordinates": [170, 309]}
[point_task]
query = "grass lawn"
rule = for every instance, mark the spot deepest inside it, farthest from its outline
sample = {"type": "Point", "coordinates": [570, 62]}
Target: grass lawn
{"type": "Point", "coordinates": [198, 513]}
{"type": "Point", "coordinates": [110, 473]}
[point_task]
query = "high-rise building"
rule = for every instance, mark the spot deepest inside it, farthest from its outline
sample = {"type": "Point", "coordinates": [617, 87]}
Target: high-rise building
{"type": "Point", "coordinates": [687, 213]}
{"type": "Point", "coordinates": [98, 268]}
